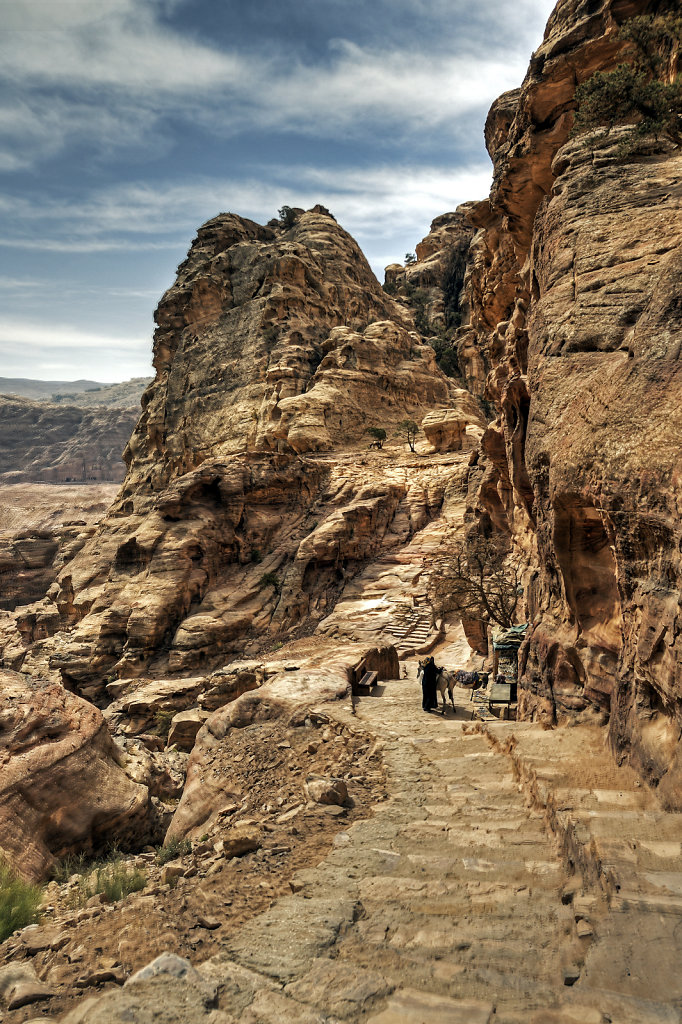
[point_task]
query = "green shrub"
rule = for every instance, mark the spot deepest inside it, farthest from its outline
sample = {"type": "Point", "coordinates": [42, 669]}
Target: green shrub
{"type": "Point", "coordinates": [378, 433]}
{"type": "Point", "coordinates": [19, 902]}
{"type": "Point", "coordinates": [409, 430]}
{"type": "Point", "coordinates": [446, 357]}
{"type": "Point", "coordinates": [287, 217]}
{"type": "Point", "coordinates": [116, 880]}
{"type": "Point", "coordinates": [418, 299]}
{"type": "Point", "coordinates": [163, 721]}
{"type": "Point", "coordinates": [635, 92]}
{"type": "Point", "coordinates": [173, 848]}
{"type": "Point", "coordinates": [410, 258]}
{"type": "Point", "coordinates": [270, 579]}
{"type": "Point", "coordinates": [72, 864]}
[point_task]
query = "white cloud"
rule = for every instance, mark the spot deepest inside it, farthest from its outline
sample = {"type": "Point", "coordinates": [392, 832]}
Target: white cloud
{"type": "Point", "coordinates": [45, 350]}
{"type": "Point", "coordinates": [124, 47]}
{"type": "Point", "coordinates": [62, 336]}
{"type": "Point", "coordinates": [372, 200]}
{"type": "Point", "coordinates": [113, 79]}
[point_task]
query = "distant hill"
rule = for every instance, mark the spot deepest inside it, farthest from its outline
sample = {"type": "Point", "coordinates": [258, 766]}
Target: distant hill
{"type": "Point", "coordinates": [126, 395]}
{"type": "Point", "coordinates": [43, 390]}
{"type": "Point", "coordinates": [80, 393]}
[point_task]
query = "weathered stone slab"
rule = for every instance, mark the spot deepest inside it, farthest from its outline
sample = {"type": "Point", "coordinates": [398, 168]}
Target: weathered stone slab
{"type": "Point", "coordinates": [408, 1006]}
{"type": "Point", "coordinates": [283, 941]}
{"type": "Point", "coordinates": [339, 987]}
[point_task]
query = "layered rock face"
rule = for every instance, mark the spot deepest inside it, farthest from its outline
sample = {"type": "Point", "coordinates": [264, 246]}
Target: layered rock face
{"type": "Point", "coordinates": [575, 303]}
{"type": "Point", "coordinates": [48, 443]}
{"type": "Point", "coordinates": [61, 789]}
{"type": "Point", "coordinates": [42, 527]}
{"type": "Point", "coordinates": [432, 287]}
{"type": "Point", "coordinates": [276, 350]}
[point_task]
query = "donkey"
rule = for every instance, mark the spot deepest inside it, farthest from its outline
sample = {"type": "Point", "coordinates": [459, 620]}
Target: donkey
{"type": "Point", "coordinates": [445, 682]}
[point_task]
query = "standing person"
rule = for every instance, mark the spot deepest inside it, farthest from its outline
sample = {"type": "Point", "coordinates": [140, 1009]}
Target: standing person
{"type": "Point", "coordinates": [429, 676]}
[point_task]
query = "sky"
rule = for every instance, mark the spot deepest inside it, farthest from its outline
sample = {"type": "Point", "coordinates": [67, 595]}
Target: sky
{"type": "Point", "coordinates": [125, 124]}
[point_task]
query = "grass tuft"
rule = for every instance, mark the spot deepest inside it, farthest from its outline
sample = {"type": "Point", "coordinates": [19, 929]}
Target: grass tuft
{"type": "Point", "coordinates": [173, 848]}
{"type": "Point", "coordinates": [19, 902]}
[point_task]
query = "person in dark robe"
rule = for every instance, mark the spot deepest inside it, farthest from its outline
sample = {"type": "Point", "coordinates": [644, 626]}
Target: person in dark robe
{"type": "Point", "coordinates": [429, 692]}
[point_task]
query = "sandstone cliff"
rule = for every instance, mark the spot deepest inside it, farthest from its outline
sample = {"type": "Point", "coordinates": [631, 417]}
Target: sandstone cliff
{"type": "Point", "coordinates": [42, 527]}
{"type": "Point", "coordinates": [574, 292]}
{"type": "Point", "coordinates": [48, 443]}
{"type": "Point", "coordinates": [251, 498]}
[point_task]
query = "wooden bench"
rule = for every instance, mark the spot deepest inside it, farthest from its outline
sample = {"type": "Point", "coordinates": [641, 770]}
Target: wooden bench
{"type": "Point", "coordinates": [368, 681]}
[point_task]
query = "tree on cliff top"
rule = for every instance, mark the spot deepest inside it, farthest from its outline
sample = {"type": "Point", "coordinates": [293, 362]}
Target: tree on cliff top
{"type": "Point", "coordinates": [640, 92]}
{"type": "Point", "coordinates": [480, 582]}
{"type": "Point", "coordinates": [287, 217]}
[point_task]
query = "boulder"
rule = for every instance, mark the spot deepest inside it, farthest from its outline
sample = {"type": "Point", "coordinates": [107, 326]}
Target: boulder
{"type": "Point", "coordinates": [61, 788]}
{"type": "Point", "coordinates": [444, 429]}
{"type": "Point", "coordinates": [20, 986]}
{"type": "Point", "coordinates": [326, 791]}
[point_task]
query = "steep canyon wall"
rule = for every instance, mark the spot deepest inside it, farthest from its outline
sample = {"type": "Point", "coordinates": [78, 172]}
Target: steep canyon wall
{"type": "Point", "coordinates": [576, 304]}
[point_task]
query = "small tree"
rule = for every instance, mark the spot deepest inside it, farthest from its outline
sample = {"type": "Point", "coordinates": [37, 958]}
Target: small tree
{"type": "Point", "coordinates": [480, 582]}
{"type": "Point", "coordinates": [410, 258]}
{"type": "Point", "coordinates": [379, 435]}
{"type": "Point", "coordinates": [409, 430]}
{"type": "Point", "coordinates": [287, 217]}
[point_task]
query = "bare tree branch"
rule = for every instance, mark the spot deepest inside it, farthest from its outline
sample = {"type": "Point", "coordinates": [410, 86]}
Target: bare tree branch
{"type": "Point", "coordinates": [479, 582]}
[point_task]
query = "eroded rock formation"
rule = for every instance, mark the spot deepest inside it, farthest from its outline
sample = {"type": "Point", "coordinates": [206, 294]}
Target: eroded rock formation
{"type": "Point", "coordinates": [61, 788]}
{"type": "Point", "coordinates": [42, 527]}
{"type": "Point", "coordinates": [574, 291]}
{"type": "Point", "coordinates": [276, 350]}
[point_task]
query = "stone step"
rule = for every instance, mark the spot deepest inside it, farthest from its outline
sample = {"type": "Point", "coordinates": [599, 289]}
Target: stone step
{"type": "Point", "coordinates": [409, 1006]}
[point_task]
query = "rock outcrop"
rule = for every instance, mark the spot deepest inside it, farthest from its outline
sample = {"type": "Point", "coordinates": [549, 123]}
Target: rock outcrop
{"type": "Point", "coordinates": [432, 289]}
{"type": "Point", "coordinates": [42, 527]}
{"type": "Point", "coordinates": [61, 788]}
{"type": "Point", "coordinates": [574, 293]}
{"type": "Point", "coordinates": [276, 350]}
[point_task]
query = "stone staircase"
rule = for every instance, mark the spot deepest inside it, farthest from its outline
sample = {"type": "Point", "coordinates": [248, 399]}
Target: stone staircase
{"type": "Point", "coordinates": [513, 876]}
{"type": "Point", "coordinates": [627, 855]}
{"type": "Point", "coordinates": [411, 630]}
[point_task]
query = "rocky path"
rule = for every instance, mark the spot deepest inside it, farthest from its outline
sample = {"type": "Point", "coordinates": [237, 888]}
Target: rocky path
{"type": "Point", "coordinates": [450, 905]}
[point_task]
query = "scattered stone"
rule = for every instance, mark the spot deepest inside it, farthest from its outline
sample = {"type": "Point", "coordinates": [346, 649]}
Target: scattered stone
{"type": "Point", "coordinates": [584, 929]}
{"type": "Point", "coordinates": [20, 986]}
{"type": "Point", "coordinates": [36, 940]}
{"type": "Point", "coordinates": [326, 790]}
{"type": "Point", "coordinates": [184, 728]}
{"type": "Point", "coordinates": [101, 976]}
{"type": "Point", "coordinates": [334, 811]}
{"type": "Point", "coordinates": [210, 923]}
{"type": "Point", "coordinates": [174, 869]}
{"type": "Point", "coordinates": [241, 839]}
